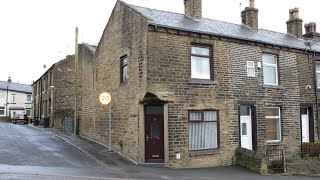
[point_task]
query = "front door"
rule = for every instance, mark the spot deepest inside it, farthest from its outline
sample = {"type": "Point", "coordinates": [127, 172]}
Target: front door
{"type": "Point", "coordinates": [246, 127]}
{"type": "Point", "coordinates": [154, 142]}
{"type": "Point", "coordinates": [305, 124]}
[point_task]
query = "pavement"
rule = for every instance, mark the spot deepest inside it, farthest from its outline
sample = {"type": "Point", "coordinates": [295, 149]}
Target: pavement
{"type": "Point", "coordinates": [117, 166]}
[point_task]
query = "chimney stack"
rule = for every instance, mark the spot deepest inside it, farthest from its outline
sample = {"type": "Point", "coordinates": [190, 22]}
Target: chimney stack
{"type": "Point", "coordinates": [294, 24]}
{"type": "Point", "coordinates": [310, 27]}
{"type": "Point", "coordinates": [193, 8]}
{"type": "Point", "coordinates": [250, 16]}
{"type": "Point", "coordinates": [311, 31]}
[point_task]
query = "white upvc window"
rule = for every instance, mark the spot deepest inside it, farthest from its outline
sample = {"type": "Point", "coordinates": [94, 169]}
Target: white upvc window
{"type": "Point", "coordinates": [2, 111]}
{"type": "Point", "coordinates": [318, 74]}
{"type": "Point", "coordinates": [13, 98]}
{"type": "Point", "coordinates": [250, 69]}
{"type": "Point", "coordinates": [200, 62]}
{"type": "Point", "coordinates": [29, 97]}
{"type": "Point", "coordinates": [270, 69]}
{"type": "Point", "coordinates": [273, 124]}
{"type": "Point", "coordinates": [2, 96]}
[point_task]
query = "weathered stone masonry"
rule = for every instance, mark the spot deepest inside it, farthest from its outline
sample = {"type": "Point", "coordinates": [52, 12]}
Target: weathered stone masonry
{"type": "Point", "coordinates": [159, 63]}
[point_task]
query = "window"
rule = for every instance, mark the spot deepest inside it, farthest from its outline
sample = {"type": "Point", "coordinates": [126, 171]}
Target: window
{"type": "Point", "coordinates": [203, 130]}
{"type": "Point", "coordinates": [29, 97]}
{"type": "Point", "coordinates": [318, 74]}
{"type": "Point", "coordinates": [28, 112]}
{"type": "Point", "coordinates": [2, 111]}
{"type": "Point", "coordinates": [270, 71]}
{"type": "Point", "coordinates": [124, 69]}
{"type": "Point", "coordinates": [250, 69]}
{"type": "Point", "coordinates": [200, 62]}
{"type": "Point", "coordinates": [13, 98]}
{"type": "Point", "coordinates": [273, 124]}
{"type": "Point", "coordinates": [2, 96]}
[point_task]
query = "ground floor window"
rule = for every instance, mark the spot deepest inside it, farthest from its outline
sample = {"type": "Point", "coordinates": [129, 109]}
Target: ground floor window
{"type": "Point", "coordinates": [273, 124]}
{"type": "Point", "coordinates": [28, 112]}
{"type": "Point", "coordinates": [203, 130]}
{"type": "Point", "coordinates": [2, 111]}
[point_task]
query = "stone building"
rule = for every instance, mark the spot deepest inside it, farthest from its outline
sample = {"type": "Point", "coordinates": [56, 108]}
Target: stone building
{"type": "Point", "coordinates": [15, 98]}
{"type": "Point", "coordinates": [187, 91]}
{"type": "Point", "coordinates": [54, 91]}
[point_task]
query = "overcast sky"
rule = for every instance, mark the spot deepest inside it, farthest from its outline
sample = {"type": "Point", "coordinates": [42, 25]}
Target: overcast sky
{"type": "Point", "coordinates": [34, 33]}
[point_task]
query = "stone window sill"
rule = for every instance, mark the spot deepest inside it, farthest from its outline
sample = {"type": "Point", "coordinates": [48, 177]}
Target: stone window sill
{"type": "Point", "coordinates": [202, 81]}
{"type": "Point", "coordinates": [205, 152]}
{"type": "Point", "coordinates": [273, 143]}
{"type": "Point", "coordinates": [272, 86]}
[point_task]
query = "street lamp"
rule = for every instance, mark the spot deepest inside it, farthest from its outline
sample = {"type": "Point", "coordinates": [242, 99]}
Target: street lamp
{"type": "Point", "coordinates": [51, 108]}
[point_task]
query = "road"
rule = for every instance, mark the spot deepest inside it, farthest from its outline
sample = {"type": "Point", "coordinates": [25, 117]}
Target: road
{"type": "Point", "coordinates": [27, 153]}
{"type": "Point", "coordinates": [26, 150]}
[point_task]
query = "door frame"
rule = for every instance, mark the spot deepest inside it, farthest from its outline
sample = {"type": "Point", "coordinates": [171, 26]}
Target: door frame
{"type": "Point", "coordinates": [142, 154]}
{"type": "Point", "coordinates": [309, 106]}
{"type": "Point", "coordinates": [252, 105]}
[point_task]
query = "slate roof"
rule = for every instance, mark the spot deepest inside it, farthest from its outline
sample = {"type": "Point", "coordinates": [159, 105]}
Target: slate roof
{"type": "Point", "coordinates": [91, 47]}
{"type": "Point", "coordinates": [16, 87]}
{"type": "Point", "coordinates": [220, 28]}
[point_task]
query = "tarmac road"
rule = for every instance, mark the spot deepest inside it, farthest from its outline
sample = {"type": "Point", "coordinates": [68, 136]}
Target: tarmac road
{"type": "Point", "coordinates": [28, 153]}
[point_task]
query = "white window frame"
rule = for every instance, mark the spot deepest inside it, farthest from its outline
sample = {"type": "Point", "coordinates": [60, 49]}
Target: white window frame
{"type": "Point", "coordinates": [251, 67]}
{"type": "Point", "coordinates": [13, 98]}
{"type": "Point", "coordinates": [4, 111]}
{"type": "Point", "coordinates": [3, 96]}
{"type": "Point", "coordinates": [317, 73]}
{"type": "Point", "coordinates": [273, 117]}
{"type": "Point", "coordinates": [208, 57]}
{"type": "Point", "coordinates": [30, 98]}
{"type": "Point", "coordinates": [271, 65]}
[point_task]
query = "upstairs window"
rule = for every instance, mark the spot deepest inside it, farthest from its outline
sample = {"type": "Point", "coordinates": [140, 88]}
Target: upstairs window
{"type": "Point", "coordinates": [318, 74]}
{"type": "Point", "coordinates": [270, 69]}
{"type": "Point", "coordinates": [250, 69]}
{"type": "Point", "coordinates": [29, 98]}
{"type": "Point", "coordinates": [13, 98]}
{"type": "Point", "coordinates": [200, 62]}
{"type": "Point", "coordinates": [124, 69]}
{"type": "Point", "coordinates": [2, 96]}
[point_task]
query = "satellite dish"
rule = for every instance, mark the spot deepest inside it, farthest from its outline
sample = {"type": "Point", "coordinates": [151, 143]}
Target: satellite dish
{"type": "Point", "coordinates": [309, 43]}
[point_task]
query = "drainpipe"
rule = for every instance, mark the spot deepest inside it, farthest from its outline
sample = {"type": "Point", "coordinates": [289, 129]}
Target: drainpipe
{"type": "Point", "coordinates": [7, 100]}
{"type": "Point", "coordinates": [316, 92]}
{"type": "Point", "coordinates": [315, 88]}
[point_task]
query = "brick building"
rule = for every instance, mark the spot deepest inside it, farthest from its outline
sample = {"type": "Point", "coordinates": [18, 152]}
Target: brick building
{"type": "Point", "coordinates": [187, 91]}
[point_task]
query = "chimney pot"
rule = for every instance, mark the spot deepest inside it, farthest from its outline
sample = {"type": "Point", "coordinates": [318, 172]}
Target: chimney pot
{"type": "Point", "coordinates": [296, 13]}
{"type": "Point", "coordinates": [252, 4]}
{"type": "Point", "coordinates": [9, 79]}
{"type": "Point", "coordinates": [294, 24]}
{"type": "Point", "coordinates": [290, 14]}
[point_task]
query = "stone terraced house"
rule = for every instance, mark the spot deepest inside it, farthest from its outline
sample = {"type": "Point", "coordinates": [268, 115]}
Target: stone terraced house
{"type": "Point", "coordinates": [188, 91]}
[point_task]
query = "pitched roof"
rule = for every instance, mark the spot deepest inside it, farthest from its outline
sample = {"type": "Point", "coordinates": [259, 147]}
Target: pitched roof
{"type": "Point", "coordinates": [16, 87]}
{"type": "Point", "coordinates": [223, 29]}
{"type": "Point", "coordinates": [92, 48]}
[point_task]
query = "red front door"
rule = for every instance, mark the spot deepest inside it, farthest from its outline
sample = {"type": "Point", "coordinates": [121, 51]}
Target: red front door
{"type": "Point", "coordinates": [154, 145]}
